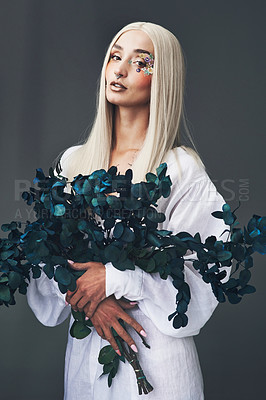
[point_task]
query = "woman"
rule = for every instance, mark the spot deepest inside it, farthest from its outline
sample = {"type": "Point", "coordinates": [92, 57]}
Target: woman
{"type": "Point", "coordinates": [137, 126]}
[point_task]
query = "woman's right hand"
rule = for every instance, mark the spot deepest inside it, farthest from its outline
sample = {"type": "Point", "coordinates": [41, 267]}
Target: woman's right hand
{"type": "Point", "coordinates": [107, 316]}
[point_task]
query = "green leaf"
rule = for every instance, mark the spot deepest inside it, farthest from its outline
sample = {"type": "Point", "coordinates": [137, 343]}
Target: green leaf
{"type": "Point", "coordinates": [59, 210]}
{"type": "Point", "coordinates": [112, 253]}
{"type": "Point", "coordinates": [244, 277]}
{"type": "Point", "coordinates": [110, 380]}
{"type": "Point", "coordinates": [48, 269]}
{"type": "Point", "coordinates": [23, 287]}
{"type": "Point", "coordinates": [247, 290]}
{"type": "Point", "coordinates": [181, 306]}
{"type": "Point", "coordinates": [132, 204]}
{"type": "Point", "coordinates": [14, 279]}
{"type": "Point", "coordinates": [154, 240]}
{"type": "Point", "coordinates": [42, 250]}
{"type": "Point", "coordinates": [233, 297]}
{"type": "Point", "coordinates": [5, 227]}
{"type": "Point", "coordinates": [79, 330]}
{"type": "Point", "coordinates": [107, 368]}
{"type": "Point", "coordinates": [177, 322]}
{"type": "Point", "coordinates": [163, 232]}
{"type": "Point", "coordinates": [184, 319]}
{"type": "Point", "coordinates": [128, 235]}
{"type": "Point", "coordinates": [6, 254]}
{"type": "Point", "coordinates": [151, 265]}
{"type": "Point", "coordinates": [123, 265]}
{"type": "Point", "coordinates": [161, 170]}
{"type": "Point", "coordinates": [62, 275]}
{"type": "Point", "coordinates": [106, 355]}
{"type": "Point", "coordinates": [79, 316]}
{"type": "Point", "coordinates": [36, 271]}
{"type": "Point", "coordinates": [5, 293]}
{"type": "Point", "coordinates": [109, 223]}
{"type": "Point", "coordinates": [224, 255]}
{"type": "Point", "coordinates": [82, 225]}
{"type": "Point", "coordinates": [118, 230]}
{"type": "Point", "coordinates": [12, 262]}
{"type": "Point", "coordinates": [217, 214]}
{"type": "Point", "coordinates": [3, 279]}
{"type": "Point", "coordinates": [114, 202]}
{"type": "Point", "coordinates": [151, 177]}
{"type": "Point", "coordinates": [156, 217]}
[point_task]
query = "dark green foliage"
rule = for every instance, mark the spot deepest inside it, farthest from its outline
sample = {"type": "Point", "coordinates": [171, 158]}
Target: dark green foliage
{"type": "Point", "coordinates": [67, 227]}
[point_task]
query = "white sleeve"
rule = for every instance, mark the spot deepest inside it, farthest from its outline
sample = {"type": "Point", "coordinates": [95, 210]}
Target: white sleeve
{"type": "Point", "coordinates": [156, 297]}
{"type": "Point", "coordinates": [46, 301]}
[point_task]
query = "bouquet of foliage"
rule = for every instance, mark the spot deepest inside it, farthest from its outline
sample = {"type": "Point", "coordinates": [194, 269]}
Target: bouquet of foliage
{"type": "Point", "coordinates": [83, 221]}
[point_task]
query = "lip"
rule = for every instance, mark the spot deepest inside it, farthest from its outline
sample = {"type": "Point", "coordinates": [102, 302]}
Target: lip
{"type": "Point", "coordinates": [117, 88]}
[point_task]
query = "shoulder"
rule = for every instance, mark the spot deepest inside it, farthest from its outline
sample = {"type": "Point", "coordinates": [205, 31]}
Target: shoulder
{"type": "Point", "coordinates": [63, 158]}
{"type": "Point", "coordinates": [184, 166]}
{"type": "Point", "coordinates": [67, 152]}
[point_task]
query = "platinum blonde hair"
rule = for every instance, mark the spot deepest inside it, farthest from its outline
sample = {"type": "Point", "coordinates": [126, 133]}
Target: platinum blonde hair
{"type": "Point", "coordinates": [166, 111]}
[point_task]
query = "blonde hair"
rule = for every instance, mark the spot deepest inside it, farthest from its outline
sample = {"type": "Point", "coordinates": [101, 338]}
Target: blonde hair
{"type": "Point", "coordinates": [166, 111]}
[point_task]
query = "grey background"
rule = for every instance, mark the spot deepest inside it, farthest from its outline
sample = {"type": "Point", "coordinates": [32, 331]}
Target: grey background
{"type": "Point", "coordinates": [51, 54]}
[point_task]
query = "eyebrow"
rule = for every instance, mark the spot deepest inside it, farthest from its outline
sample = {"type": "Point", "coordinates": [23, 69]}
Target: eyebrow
{"type": "Point", "coordinates": [135, 50]}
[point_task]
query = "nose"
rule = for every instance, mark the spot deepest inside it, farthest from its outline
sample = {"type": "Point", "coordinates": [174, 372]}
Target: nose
{"type": "Point", "coordinates": [121, 69]}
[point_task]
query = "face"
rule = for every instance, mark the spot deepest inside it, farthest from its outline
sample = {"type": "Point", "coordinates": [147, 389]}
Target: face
{"type": "Point", "coordinates": [127, 60]}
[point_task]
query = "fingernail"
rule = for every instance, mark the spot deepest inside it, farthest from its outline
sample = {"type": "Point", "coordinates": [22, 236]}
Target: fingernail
{"type": "Point", "coordinates": [118, 352]}
{"type": "Point", "coordinates": [66, 303]}
{"type": "Point", "coordinates": [133, 303]}
{"type": "Point", "coordinates": [70, 261]}
{"type": "Point", "coordinates": [143, 333]}
{"type": "Point", "coordinates": [133, 347]}
{"type": "Point", "coordinates": [86, 318]}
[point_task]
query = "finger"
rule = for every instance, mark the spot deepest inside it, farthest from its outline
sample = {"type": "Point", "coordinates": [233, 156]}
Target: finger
{"type": "Point", "coordinates": [99, 331]}
{"type": "Point", "coordinates": [125, 336]}
{"type": "Point", "coordinates": [82, 303]}
{"type": "Point", "coordinates": [109, 337]}
{"type": "Point", "coordinates": [75, 299]}
{"type": "Point", "coordinates": [135, 325]}
{"type": "Point", "coordinates": [69, 295]}
{"type": "Point", "coordinates": [79, 266]}
{"type": "Point", "coordinates": [127, 305]}
{"type": "Point", "coordinates": [90, 308]}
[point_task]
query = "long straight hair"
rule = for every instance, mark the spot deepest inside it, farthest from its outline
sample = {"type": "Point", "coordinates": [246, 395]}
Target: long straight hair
{"type": "Point", "coordinates": [166, 111]}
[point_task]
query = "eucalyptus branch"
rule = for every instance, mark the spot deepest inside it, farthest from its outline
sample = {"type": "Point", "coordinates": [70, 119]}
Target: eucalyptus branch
{"type": "Point", "coordinates": [64, 229]}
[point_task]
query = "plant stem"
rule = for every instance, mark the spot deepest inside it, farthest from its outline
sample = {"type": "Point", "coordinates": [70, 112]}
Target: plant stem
{"type": "Point", "coordinates": [143, 385]}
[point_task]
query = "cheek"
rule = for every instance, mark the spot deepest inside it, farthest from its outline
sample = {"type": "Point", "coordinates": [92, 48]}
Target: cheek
{"type": "Point", "coordinates": [143, 81]}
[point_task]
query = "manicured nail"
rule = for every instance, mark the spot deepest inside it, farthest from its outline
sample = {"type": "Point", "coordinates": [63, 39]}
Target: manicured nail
{"type": "Point", "coordinates": [86, 318]}
{"type": "Point", "coordinates": [70, 261]}
{"type": "Point", "coordinates": [133, 347]}
{"type": "Point", "coordinates": [143, 333]}
{"type": "Point", "coordinates": [133, 303]}
{"type": "Point", "coordinates": [118, 352]}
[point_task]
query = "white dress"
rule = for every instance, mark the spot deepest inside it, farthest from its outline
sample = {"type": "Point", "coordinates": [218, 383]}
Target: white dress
{"type": "Point", "coordinates": [171, 365]}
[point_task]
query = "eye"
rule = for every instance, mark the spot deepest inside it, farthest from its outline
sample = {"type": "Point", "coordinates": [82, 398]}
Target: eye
{"type": "Point", "coordinates": [115, 57]}
{"type": "Point", "coordinates": [140, 63]}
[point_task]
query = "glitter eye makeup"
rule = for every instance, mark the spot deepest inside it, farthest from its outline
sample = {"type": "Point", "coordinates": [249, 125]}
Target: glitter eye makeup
{"type": "Point", "coordinates": [149, 61]}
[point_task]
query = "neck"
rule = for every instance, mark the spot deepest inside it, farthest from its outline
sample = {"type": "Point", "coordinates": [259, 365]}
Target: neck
{"type": "Point", "coordinates": [130, 126]}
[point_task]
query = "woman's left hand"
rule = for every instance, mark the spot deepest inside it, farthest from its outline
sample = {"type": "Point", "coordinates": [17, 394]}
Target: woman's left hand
{"type": "Point", "coordinates": [90, 289]}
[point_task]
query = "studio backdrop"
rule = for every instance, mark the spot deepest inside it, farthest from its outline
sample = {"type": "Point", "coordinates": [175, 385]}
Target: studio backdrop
{"type": "Point", "coordinates": [50, 60]}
